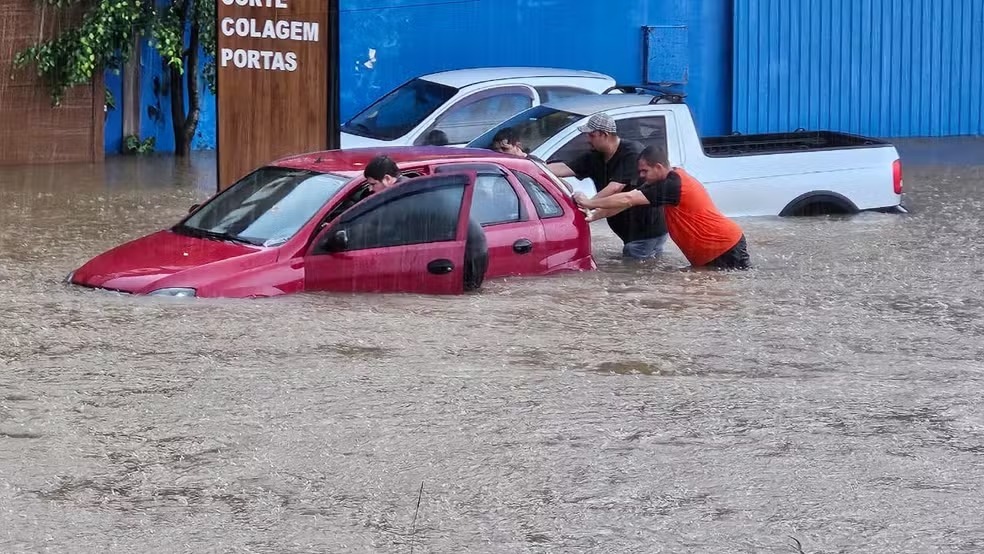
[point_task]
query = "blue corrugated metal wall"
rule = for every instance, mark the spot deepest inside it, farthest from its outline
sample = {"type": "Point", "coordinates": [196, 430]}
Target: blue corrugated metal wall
{"type": "Point", "coordinates": [884, 68]}
{"type": "Point", "coordinates": [413, 37]}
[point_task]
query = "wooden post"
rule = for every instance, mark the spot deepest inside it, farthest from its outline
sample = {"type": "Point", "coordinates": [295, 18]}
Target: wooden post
{"type": "Point", "coordinates": [273, 76]}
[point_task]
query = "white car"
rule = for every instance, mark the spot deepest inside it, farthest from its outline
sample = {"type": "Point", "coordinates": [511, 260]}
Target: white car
{"type": "Point", "coordinates": [456, 106]}
{"type": "Point", "coordinates": [794, 173]}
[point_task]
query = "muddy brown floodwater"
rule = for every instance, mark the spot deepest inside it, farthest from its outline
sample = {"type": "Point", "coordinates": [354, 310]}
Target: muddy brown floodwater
{"type": "Point", "coordinates": [832, 395]}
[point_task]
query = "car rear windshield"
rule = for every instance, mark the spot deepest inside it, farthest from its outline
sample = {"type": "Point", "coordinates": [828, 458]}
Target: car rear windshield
{"type": "Point", "coordinates": [397, 113]}
{"type": "Point", "coordinates": [534, 127]}
{"type": "Point", "coordinates": [266, 207]}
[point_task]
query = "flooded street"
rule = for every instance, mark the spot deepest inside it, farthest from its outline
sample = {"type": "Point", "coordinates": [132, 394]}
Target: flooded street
{"type": "Point", "coordinates": [831, 395]}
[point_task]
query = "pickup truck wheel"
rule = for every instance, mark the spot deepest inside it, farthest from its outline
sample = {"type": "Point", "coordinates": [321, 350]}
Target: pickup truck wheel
{"type": "Point", "coordinates": [819, 203]}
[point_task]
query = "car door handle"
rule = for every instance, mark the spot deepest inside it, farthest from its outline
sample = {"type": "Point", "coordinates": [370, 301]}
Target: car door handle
{"type": "Point", "coordinates": [440, 267]}
{"type": "Point", "coordinates": [523, 246]}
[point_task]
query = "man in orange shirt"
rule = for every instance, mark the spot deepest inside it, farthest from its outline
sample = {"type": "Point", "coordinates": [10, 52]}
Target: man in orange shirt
{"type": "Point", "coordinates": [704, 235]}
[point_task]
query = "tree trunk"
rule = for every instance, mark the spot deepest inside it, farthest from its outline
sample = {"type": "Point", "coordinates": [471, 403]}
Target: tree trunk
{"type": "Point", "coordinates": [131, 91]}
{"type": "Point", "coordinates": [193, 86]}
{"type": "Point", "coordinates": [181, 146]}
{"type": "Point", "coordinates": [184, 123]}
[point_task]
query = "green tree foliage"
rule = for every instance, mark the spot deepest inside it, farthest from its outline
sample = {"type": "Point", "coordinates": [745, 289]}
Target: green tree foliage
{"type": "Point", "coordinates": [104, 38]}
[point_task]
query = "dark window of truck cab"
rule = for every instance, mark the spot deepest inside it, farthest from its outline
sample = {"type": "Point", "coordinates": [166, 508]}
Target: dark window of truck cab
{"type": "Point", "coordinates": [421, 217]}
{"type": "Point", "coordinates": [649, 130]}
{"type": "Point", "coordinates": [546, 205]}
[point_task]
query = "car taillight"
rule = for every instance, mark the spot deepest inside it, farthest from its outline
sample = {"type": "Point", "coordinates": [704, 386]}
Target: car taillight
{"type": "Point", "coordinates": [897, 176]}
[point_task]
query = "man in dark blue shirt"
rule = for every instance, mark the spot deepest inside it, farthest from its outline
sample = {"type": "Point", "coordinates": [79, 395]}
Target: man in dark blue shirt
{"type": "Point", "coordinates": [612, 165]}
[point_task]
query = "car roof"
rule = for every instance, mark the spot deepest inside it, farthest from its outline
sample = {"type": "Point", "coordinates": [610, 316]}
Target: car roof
{"type": "Point", "coordinates": [587, 104]}
{"type": "Point", "coordinates": [459, 78]}
{"type": "Point", "coordinates": [355, 159]}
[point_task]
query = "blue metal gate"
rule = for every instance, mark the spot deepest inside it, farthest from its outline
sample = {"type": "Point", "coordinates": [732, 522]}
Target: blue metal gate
{"type": "Point", "coordinates": [883, 68]}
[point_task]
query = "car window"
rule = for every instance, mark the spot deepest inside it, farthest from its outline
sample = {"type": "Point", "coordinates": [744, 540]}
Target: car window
{"type": "Point", "coordinates": [534, 127]}
{"type": "Point", "coordinates": [477, 113]}
{"type": "Point", "coordinates": [267, 206]}
{"type": "Point", "coordinates": [422, 217]}
{"type": "Point", "coordinates": [397, 113]}
{"type": "Point", "coordinates": [549, 94]}
{"type": "Point", "coordinates": [361, 193]}
{"type": "Point", "coordinates": [353, 198]}
{"type": "Point", "coordinates": [494, 200]}
{"type": "Point", "coordinates": [573, 149]}
{"type": "Point", "coordinates": [650, 130]}
{"type": "Point", "coordinates": [546, 205]}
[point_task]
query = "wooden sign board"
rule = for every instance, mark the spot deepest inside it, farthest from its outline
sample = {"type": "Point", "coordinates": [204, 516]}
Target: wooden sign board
{"type": "Point", "coordinates": [277, 82]}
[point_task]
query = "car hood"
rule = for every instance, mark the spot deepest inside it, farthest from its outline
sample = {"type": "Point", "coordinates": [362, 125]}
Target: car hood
{"type": "Point", "coordinates": [165, 259]}
{"type": "Point", "coordinates": [348, 140]}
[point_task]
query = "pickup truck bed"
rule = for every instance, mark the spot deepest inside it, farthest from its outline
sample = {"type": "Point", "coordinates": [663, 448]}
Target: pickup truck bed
{"type": "Point", "coordinates": [775, 143]}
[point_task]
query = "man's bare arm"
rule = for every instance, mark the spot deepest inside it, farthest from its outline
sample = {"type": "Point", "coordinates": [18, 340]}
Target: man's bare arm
{"type": "Point", "coordinates": [560, 169]}
{"type": "Point", "coordinates": [619, 200]}
{"type": "Point", "coordinates": [612, 188]}
{"type": "Point", "coordinates": [595, 215]}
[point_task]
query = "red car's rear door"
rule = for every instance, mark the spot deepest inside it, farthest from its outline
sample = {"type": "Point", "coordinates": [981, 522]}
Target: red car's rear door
{"type": "Point", "coordinates": [409, 238]}
{"type": "Point", "coordinates": [513, 231]}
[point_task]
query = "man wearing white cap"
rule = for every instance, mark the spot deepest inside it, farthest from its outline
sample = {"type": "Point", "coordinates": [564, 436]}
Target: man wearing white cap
{"type": "Point", "coordinates": [612, 165]}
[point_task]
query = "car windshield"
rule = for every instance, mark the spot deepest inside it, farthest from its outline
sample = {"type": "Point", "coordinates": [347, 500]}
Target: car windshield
{"type": "Point", "coordinates": [397, 113]}
{"type": "Point", "coordinates": [534, 127]}
{"type": "Point", "coordinates": [266, 207]}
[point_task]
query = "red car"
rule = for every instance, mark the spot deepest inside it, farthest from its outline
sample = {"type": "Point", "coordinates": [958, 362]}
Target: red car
{"type": "Point", "coordinates": [300, 224]}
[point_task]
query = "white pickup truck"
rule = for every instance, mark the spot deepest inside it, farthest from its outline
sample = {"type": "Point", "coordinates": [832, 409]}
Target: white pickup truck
{"type": "Point", "coordinates": [785, 174]}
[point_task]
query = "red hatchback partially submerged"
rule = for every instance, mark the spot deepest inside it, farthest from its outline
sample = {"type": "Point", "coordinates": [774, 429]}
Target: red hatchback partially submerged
{"type": "Point", "coordinates": [305, 223]}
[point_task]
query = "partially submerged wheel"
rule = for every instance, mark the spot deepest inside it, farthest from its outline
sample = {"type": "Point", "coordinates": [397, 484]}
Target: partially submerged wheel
{"type": "Point", "coordinates": [819, 203]}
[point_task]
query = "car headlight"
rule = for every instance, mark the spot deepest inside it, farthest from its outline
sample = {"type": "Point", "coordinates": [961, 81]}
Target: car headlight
{"type": "Point", "coordinates": [174, 292]}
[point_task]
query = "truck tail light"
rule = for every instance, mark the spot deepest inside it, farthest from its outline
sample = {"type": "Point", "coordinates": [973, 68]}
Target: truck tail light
{"type": "Point", "coordinates": [897, 176]}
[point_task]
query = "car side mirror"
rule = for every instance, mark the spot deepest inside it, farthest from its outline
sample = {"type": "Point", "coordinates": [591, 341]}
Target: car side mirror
{"type": "Point", "coordinates": [193, 207]}
{"type": "Point", "coordinates": [336, 241]}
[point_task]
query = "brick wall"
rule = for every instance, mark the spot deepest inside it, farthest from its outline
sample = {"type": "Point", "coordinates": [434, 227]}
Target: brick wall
{"type": "Point", "coordinates": [31, 130]}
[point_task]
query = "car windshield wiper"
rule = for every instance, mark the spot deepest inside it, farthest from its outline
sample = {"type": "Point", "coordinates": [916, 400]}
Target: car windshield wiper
{"type": "Point", "coordinates": [216, 235]}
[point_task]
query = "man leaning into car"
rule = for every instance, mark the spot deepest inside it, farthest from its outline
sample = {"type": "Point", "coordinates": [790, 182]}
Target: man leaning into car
{"type": "Point", "coordinates": [611, 164]}
{"type": "Point", "coordinates": [382, 173]}
{"type": "Point", "coordinates": [507, 141]}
